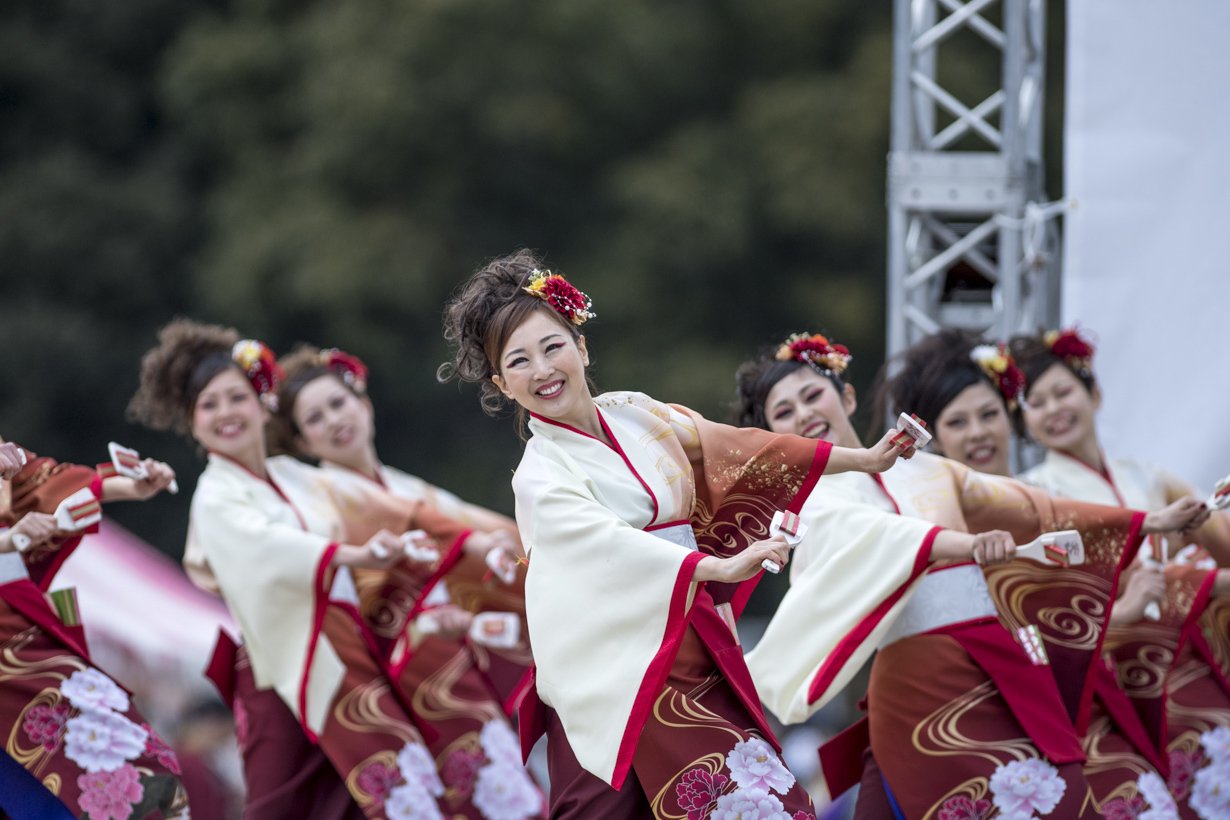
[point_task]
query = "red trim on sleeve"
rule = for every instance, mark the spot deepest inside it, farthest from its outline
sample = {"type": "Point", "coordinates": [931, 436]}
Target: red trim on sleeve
{"type": "Point", "coordinates": [23, 596]}
{"type": "Point", "coordinates": [659, 667]}
{"type": "Point", "coordinates": [321, 595]}
{"type": "Point", "coordinates": [838, 658]}
{"type": "Point", "coordinates": [513, 701]}
{"type": "Point", "coordinates": [1134, 538]}
{"type": "Point", "coordinates": [449, 560]}
{"type": "Point", "coordinates": [818, 462]}
{"type": "Point", "coordinates": [1192, 632]}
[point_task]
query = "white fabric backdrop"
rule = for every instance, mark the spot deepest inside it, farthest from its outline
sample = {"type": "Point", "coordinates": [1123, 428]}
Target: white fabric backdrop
{"type": "Point", "coordinates": [1147, 253]}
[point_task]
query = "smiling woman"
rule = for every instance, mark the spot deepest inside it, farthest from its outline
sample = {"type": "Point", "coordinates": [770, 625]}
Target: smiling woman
{"type": "Point", "coordinates": [284, 568]}
{"type": "Point", "coordinates": [646, 529]}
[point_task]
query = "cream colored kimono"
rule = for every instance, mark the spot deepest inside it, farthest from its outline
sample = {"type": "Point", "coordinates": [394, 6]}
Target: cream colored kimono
{"type": "Point", "coordinates": [1131, 484]}
{"type": "Point", "coordinates": [857, 568]}
{"type": "Point", "coordinates": [612, 539]}
{"type": "Point", "coordinates": [269, 559]}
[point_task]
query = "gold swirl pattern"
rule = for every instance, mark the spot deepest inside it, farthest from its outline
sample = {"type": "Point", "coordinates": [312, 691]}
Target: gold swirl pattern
{"type": "Point", "coordinates": [52, 782]}
{"type": "Point", "coordinates": [945, 738]}
{"type": "Point", "coordinates": [36, 756]}
{"type": "Point", "coordinates": [975, 789]}
{"type": "Point", "coordinates": [672, 706]}
{"type": "Point", "coordinates": [385, 757]}
{"type": "Point", "coordinates": [359, 711]}
{"type": "Point", "coordinates": [434, 699]}
{"type": "Point", "coordinates": [1186, 673]}
{"type": "Point", "coordinates": [13, 667]}
{"type": "Point", "coordinates": [711, 763]}
{"type": "Point", "coordinates": [1199, 718]}
{"type": "Point", "coordinates": [1099, 761]}
{"type": "Point", "coordinates": [1075, 626]}
{"type": "Point", "coordinates": [744, 519]}
{"type": "Point", "coordinates": [1215, 626]}
{"type": "Point", "coordinates": [1118, 637]}
{"type": "Point", "coordinates": [1144, 675]}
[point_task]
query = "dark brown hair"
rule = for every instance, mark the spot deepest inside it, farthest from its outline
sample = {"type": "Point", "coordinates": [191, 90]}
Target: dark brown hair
{"type": "Point", "coordinates": [188, 356]}
{"type": "Point", "coordinates": [302, 366]}
{"type": "Point", "coordinates": [927, 376]}
{"type": "Point", "coordinates": [486, 311]}
{"type": "Point", "coordinates": [1035, 357]}
{"type": "Point", "coordinates": [755, 379]}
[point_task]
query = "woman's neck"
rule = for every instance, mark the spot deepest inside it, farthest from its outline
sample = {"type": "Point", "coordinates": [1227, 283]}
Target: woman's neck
{"type": "Point", "coordinates": [364, 462]}
{"type": "Point", "coordinates": [1089, 452]}
{"type": "Point", "coordinates": [585, 418]}
{"type": "Point", "coordinates": [253, 458]}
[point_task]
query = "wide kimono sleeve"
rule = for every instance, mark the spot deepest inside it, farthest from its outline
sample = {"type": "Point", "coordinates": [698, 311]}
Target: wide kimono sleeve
{"type": "Point", "coordinates": [40, 486]}
{"type": "Point", "coordinates": [859, 567]}
{"type": "Point", "coordinates": [1070, 607]}
{"type": "Point", "coordinates": [275, 579]}
{"type": "Point", "coordinates": [606, 606]}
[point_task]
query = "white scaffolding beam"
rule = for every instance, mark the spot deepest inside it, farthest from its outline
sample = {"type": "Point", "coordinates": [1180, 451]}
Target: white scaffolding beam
{"type": "Point", "coordinates": [957, 217]}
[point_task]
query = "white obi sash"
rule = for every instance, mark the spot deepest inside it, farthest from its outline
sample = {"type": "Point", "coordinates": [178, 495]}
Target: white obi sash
{"type": "Point", "coordinates": [945, 596]}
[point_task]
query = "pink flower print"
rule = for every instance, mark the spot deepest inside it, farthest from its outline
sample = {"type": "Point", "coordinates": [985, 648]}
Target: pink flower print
{"type": "Point", "coordinates": [749, 804]}
{"type": "Point", "coordinates": [1211, 790]}
{"type": "Point", "coordinates": [802, 815]}
{"type": "Point", "coordinates": [45, 724]}
{"type": "Point", "coordinates": [91, 691]}
{"type": "Point", "coordinates": [697, 790]}
{"type": "Point", "coordinates": [460, 769]}
{"type": "Point", "coordinates": [241, 723]}
{"type": "Point", "coordinates": [961, 807]}
{"type": "Point", "coordinates": [110, 795]}
{"type": "Point", "coordinates": [1022, 787]}
{"type": "Point", "coordinates": [102, 741]}
{"type": "Point", "coordinates": [1121, 809]}
{"type": "Point", "coordinates": [505, 792]}
{"type": "Point", "coordinates": [754, 764]}
{"type": "Point", "coordinates": [377, 781]}
{"type": "Point", "coordinates": [1183, 768]}
{"type": "Point", "coordinates": [156, 747]}
{"type": "Point", "coordinates": [419, 768]}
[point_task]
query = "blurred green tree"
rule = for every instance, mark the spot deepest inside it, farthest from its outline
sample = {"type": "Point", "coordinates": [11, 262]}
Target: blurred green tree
{"type": "Point", "coordinates": [712, 173]}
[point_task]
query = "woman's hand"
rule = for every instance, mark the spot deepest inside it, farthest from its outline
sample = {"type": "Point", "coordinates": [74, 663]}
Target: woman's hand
{"type": "Point", "coordinates": [1184, 515]}
{"type": "Point", "coordinates": [480, 543]}
{"type": "Point", "coordinates": [992, 548]}
{"type": "Point", "coordinates": [453, 620]}
{"type": "Point", "coordinates": [11, 460]}
{"type": "Point", "coordinates": [382, 550]}
{"type": "Point", "coordinates": [38, 527]}
{"type": "Point", "coordinates": [122, 488]}
{"type": "Point", "coordinates": [746, 564]}
{"type": "Point", "coordinates": [1146, 585]}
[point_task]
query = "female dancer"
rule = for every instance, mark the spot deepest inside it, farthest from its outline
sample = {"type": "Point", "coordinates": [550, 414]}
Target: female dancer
{"type": "Point", "coordinates": [641, 521]}
{"type": "Point", "coordinates": [306, 673]}
{"type": "Point", "coordinates": [324, 413]}
{"type": "Point", "coordinates": [982, 714]}
{"type": "Point", "coordinates": [1176, 669]}
{"type": "Point", "coordinates": [72, 732]}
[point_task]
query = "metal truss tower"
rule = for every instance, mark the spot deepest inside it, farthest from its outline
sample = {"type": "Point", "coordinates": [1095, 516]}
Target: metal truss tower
{"type": "Point", "coordinates": [970, 244]}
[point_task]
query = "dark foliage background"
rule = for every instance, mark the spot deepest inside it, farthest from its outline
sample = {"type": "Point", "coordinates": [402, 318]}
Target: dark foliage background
{"type": "Point", "coordinates": [710, 171]}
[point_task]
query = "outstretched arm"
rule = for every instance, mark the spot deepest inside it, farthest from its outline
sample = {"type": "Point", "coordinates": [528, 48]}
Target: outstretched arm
{"type": "Point", "coordinates": [875, 459]}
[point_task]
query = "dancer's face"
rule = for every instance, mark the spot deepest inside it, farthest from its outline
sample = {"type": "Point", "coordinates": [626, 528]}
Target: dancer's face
{"type": "Point", "coordinates": [807, 404]}
{"type": "Point", "coordinates": [973, 429]}
{"type": "Point", "coordinates": [228, 417]}
{"type": "Point", "coordinates": [334, 424]}
{"type": "Point", "coordinates": [1059, 410]}
{"type": "Point", "coordinates": [542, 368]}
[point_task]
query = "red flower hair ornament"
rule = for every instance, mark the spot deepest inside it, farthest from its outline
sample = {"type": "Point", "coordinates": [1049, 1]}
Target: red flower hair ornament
{"type": "Point", "coordinates": [561, 295]}
{"type": "Point", "coordinates": [350, 369]}
{"type": "Point", "coordinates": [1001, 369]}
{"type": "Point", "coordinates": [261, 367]}
{"type": "Point", "coordinates": [1073, 348]}
{"type": "Point", "coordinates": [828, 358]}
